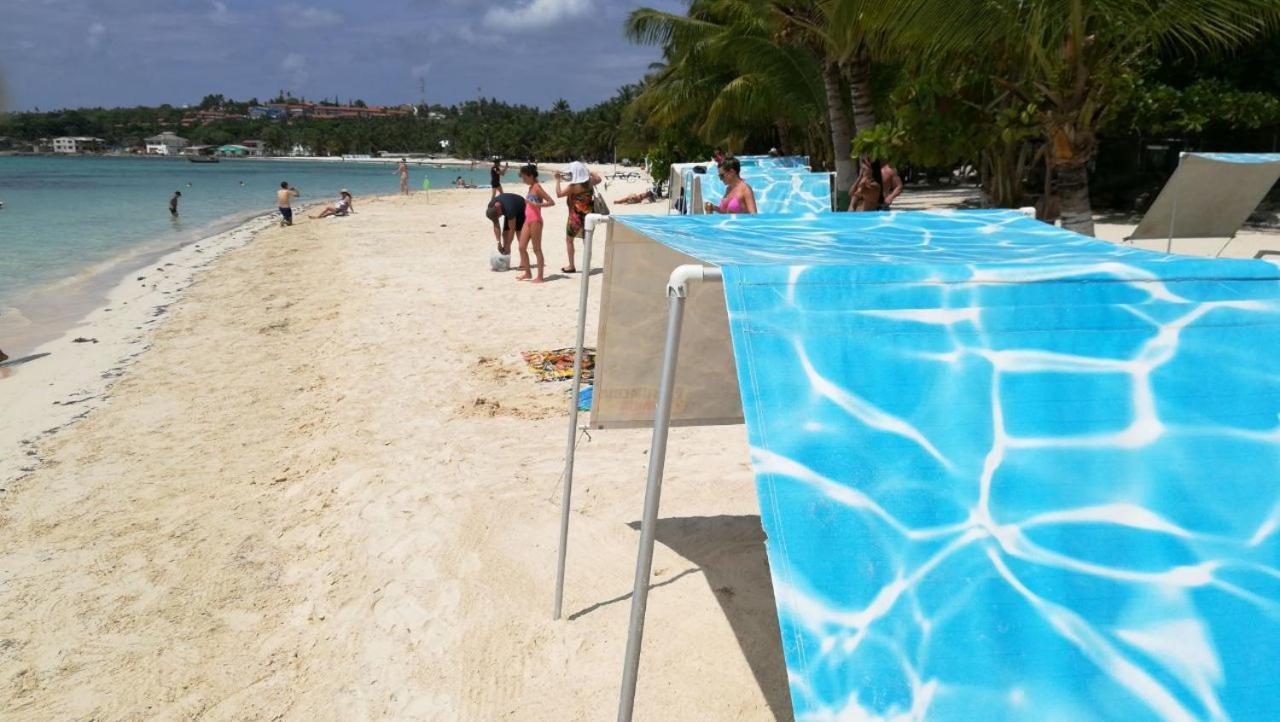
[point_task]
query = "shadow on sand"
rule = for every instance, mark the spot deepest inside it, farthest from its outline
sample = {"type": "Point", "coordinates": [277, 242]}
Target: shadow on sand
{"type": "Point", "coordinates": [729, 551]}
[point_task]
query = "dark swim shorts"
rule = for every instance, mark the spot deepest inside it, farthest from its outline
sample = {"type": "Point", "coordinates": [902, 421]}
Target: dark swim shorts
{"type": "Point", "coordinates": [287, 214]}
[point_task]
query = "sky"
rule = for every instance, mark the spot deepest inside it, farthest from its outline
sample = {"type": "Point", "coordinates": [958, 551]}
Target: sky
{"type": "Point", "coordinates": [87, 53]}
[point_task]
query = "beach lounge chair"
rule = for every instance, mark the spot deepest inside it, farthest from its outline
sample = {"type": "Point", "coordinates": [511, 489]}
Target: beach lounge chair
{"type": "Point", "coordinates": [1005, 471]}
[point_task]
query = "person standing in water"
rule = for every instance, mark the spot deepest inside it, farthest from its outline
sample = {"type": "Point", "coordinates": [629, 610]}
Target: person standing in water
{"type": "Point", "coordinates": [173, 204]}
{"type": "Point", "coordinates": [534, 201]}
{"type": "Point", "coordinates": [284, 198]}
{"type": "Point", "coordinates": [495, 177]}
{"type": "Point", "coordinates": [403, 171]}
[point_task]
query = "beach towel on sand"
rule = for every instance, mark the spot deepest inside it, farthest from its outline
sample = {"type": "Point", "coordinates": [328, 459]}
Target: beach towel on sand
{"type": "Point", "coordinates": [557, 365]}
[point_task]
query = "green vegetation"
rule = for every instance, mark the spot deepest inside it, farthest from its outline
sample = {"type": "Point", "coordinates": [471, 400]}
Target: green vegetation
{"type": "Point", "coordinates": [1023, 91]}
{"type": "Point", "coordinates": [1031, 96]}
{"type": "Point", "coordinates": [477, 129]}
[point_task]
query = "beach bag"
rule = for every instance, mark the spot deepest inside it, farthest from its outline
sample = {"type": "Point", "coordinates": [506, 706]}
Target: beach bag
{"type": "Point", "coordinates": [500, 262]}
{"type": "Point", "coordinates": [598, 204]}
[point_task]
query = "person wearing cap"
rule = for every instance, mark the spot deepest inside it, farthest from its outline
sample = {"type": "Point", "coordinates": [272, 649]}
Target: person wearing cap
{"type": "Point", "coordinates": [580, 197]}
{"type": "Point", "coordinates": [510, 208]}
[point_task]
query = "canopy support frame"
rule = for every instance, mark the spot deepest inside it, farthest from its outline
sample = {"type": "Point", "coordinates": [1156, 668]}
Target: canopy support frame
{"type": "Point", "coordinates": [570, 450]}
{"type": "Point", "coordinates": [677, 294]}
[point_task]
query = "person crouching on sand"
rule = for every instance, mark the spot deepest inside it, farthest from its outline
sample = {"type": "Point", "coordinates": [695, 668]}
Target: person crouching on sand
{"type": "Point", "coordinates": [284, 196]}
{"type": "Point", "coordinates": [534, 201]}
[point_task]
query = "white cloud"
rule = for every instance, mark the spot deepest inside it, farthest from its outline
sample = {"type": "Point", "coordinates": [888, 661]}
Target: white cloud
{"type": "Point", "coordinates": [219, 15]}
{"type": "Point", "coordinates": [535, 14]}
{"type": "Point", "coordinates": [95, 36]}
{"type": "Point", "coordinates": [303, 16]}
{"type": "Point", "coordinates": [295, 66]}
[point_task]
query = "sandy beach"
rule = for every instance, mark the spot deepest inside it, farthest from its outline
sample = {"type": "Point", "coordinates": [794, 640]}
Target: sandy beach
{"type": "Point", "coordinates": [323, 485]}
{"type": "Point", "coordinates": [328, 490]}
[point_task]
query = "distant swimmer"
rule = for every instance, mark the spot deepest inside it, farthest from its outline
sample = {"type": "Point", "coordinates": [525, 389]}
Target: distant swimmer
{"type": "Point", "coordinates": [242, 184]}
{"type": "Point", "coordinates": [173, 203]}
{"type": "Point", "coordinates": [284, 198]}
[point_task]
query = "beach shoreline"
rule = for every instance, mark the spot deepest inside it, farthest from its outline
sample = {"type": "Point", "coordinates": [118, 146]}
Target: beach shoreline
{"type": "Point", "coordinates": [93, 346]}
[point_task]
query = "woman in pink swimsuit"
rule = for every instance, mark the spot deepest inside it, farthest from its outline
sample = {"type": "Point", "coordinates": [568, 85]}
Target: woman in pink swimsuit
{"type": "Point", "coordinates": [534, 201]}
{"type": "Point", "coordinates": [738, 196]}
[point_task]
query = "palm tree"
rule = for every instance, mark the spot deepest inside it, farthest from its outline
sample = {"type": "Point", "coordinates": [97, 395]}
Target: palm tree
{"type": "Point", "coordinates": [1067, 58]}
{"type": "Point", "coordinates": [728, 72]}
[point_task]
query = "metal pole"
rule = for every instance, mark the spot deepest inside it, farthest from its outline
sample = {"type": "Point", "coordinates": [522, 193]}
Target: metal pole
{"type": "Point", "coordinates": [1173, 213]}
{"type": "Point", "coordinates": [677, 292]}
{"type": "Point", "coordinates": [566, 494]}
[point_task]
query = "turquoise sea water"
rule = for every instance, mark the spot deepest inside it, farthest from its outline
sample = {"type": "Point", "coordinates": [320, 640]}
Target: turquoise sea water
{"type": "Point", "coordinates": [67, 218]}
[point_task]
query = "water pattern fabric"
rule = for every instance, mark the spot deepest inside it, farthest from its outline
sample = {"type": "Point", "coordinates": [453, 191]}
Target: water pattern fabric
{"type": "Point", "coordinates": [778, 190]}
{"type": "Point", "coordinates": [1007, 472]}
{"type": "Point", "coordinates": [1244, 158]}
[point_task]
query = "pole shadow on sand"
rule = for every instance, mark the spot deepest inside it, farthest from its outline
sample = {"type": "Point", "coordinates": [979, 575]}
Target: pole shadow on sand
{"type": "Point", "coordinates": [729, 551]}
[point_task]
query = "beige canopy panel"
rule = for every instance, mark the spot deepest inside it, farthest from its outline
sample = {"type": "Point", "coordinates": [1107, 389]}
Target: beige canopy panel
{"type": "Point", "coordinates": [1210, 195]}
{"type": "Point", "coordinates": [631, 337]}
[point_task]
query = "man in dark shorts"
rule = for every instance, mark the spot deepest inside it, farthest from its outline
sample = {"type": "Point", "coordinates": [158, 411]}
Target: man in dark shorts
{"type": "Point", "coordinates": [510, 208]}
{"type": "Point", "coordinates": [284, 198]}
{"type": "Point", "coordinates": [173, 203]}
{"type": "Point", "coordinates": [495, 177]}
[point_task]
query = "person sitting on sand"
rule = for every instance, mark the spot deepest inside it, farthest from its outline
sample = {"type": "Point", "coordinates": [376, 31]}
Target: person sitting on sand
{"type": "Point", "coordinates": [344, 206]}
{"type": "Point", "coordinates": [738, 196]}
{"type": "Point", "coordinates": [510, 208]}
{"type": "Point", "coordinates": [645, 197]}
{"type": "Point", "coordinates": [459, 183]}
{"type": "Point", "coordinates": [580, 197]}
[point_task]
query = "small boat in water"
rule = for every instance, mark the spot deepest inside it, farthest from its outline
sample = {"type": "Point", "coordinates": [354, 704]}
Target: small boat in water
{"type": "Point", "coordinates": [203, 159]}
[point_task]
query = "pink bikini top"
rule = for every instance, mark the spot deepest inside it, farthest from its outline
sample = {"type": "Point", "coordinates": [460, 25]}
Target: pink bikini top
{"type": "Point", "coordinates": [730, 204]}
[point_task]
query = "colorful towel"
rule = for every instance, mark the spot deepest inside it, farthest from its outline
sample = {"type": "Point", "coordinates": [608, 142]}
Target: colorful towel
{"type": "Point", "coordinates": [557, 365]}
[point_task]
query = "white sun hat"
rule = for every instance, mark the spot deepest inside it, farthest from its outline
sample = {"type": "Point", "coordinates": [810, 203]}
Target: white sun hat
{"type": "Point", "coordinates": [578, 172]}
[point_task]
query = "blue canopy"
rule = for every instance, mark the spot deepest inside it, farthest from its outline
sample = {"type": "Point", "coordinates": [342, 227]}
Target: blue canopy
{"type": "Point", "coordinates": [1007, 472]}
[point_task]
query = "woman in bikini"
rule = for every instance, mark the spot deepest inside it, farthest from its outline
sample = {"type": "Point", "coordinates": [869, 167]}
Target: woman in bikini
{"type": "Point", "coordinates": [580, 198]}
{"type": "Point", "coordinates": [738, 196]}
{"type": "Point", "coordinates": [534, 201]}
{"type": "Point", "coordinates": [868, 191]}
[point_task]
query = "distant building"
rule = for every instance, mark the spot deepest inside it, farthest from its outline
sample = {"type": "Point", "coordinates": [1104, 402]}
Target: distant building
{"type": "Point", "coordinates": [259, 112]}
{"type": "Point", "coordinates": [256, 147]}
{"type": "Point", "coordinates": [231, 149]}
{"type": "Point", "coordinates": [198, 150]}
{"type": "Point", "coordinates": [300, 151]}
{"type": "Point", "coordinates": [315, 110]}
{"type": "Point", "coordinates": [77, 144]}
{"type": "Point", "coordinates": [165, 144]}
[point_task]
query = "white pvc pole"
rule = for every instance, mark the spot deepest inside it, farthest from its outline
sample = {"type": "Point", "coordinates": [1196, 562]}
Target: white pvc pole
{"type": "Point", "coordinates": [566, 495]}
{"type": "Point", "coordinates": [677, 292]}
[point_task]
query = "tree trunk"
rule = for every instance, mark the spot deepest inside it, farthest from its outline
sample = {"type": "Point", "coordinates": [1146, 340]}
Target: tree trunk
{"type": "Point", "coordinates": [1073, 196]}
{"type": "Point", "coordinates": [858, 71]}
{"type": "Point", "coordinates": [841, 133]}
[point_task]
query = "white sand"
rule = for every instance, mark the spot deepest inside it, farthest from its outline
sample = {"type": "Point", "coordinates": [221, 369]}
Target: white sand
{"type": "Point", "coordinates": [329, 490]}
